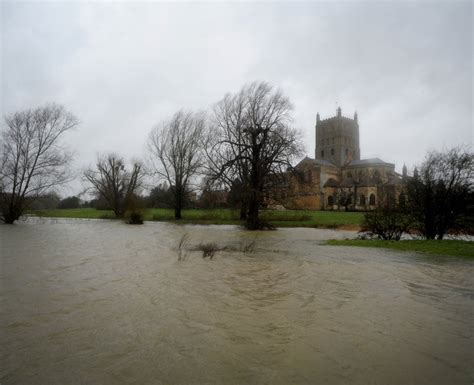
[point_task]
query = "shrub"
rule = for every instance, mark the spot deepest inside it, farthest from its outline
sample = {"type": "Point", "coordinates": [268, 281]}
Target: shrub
{"type": "Point", "coordinates": [386, 222]}
{"type": "Point", "coordinates": [135, 218]}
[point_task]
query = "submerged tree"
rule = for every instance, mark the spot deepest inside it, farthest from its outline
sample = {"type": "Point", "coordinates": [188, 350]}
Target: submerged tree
{"type": "Point", "coordinates": [176, 153]}
{"type": "Point", "coordinates": [32, 159]}
{"type": "Point", "coordinates": [252, 139]}
{"type": "Point", "coordinates": [112, 182]}
{"type": "Point", "coordinates": [441, 194]}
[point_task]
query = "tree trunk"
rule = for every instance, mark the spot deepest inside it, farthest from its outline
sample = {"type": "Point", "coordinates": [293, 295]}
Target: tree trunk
{"type": "Point", "coordinates": [11, 215]}
{"type": "Point", "coordinates": [178, 205]}
{"type": "Point", "coordinates": [253, 221]}
{"type": "Point", "coordinates": [9, 220]}
{"type": "Point", "coordinates": [243, 211]}
{"type": "Point", "coordinates": [118, 212]}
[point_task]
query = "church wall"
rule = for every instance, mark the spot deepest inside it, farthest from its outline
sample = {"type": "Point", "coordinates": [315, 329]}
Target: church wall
{"type": "Point", "coordinates": [358, 204]}
{"type": "Point", "coordinates": [329, 172]}
{"type": "Point", "coordinates": [305, 202]}
{"type": "Point", "coordinates": [303, 192]}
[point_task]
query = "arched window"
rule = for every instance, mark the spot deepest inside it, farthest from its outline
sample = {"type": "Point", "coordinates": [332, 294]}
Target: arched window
{"type": "Point", "coordinates": [332, 151]}
{"type": "Point", "coordinates": [372, 200]}
{"type": "Point", "coordinates": [347, 151]}
{"type": "Point", "coordinates": [322, 154]}
{"type": "Point", "coordinates": [402, 199]}
{"type": "Point", "coordinates": [309, 176]}
{"type": "Point", "coordinates": [330, 200]}
{"type": "Point", "coordinates": [349, 175]}
{"type": "Point", "coordinates": [362, 199]}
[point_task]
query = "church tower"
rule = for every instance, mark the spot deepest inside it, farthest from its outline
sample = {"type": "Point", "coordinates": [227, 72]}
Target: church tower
{"type": "Point", "coordinates": [337, 139]}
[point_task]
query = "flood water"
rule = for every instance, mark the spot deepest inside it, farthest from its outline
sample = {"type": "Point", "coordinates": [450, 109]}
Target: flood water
{"type": "Point", "coordinates": [101, 302]}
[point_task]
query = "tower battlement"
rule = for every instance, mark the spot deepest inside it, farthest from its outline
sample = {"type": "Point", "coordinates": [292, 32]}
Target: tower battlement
{"type": "Point", "coordinates": [337, 138]}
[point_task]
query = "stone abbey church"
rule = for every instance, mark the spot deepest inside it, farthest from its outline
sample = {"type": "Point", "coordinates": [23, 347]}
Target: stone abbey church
{"type": "Point", "coordinates": [337, 178]}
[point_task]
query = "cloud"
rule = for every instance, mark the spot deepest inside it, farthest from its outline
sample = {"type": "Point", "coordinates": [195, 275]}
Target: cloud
{"type": "Point", "coordinates": [123, 67]}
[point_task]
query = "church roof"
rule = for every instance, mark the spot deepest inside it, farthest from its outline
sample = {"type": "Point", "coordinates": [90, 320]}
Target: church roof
{"type": "Point", "coordinates": [369, 162]}
{"type": "Point", "coordinates": [319, 162]}
{"type": "Point", "coordinates": [394, 178]}
{"type": "Point", "coordinates": [365, 181]}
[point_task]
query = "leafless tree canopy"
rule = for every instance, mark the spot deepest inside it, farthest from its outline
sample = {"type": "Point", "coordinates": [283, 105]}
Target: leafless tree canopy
{"type": "Point", "coordinates": [114, 183]}
{"type": "Point", "coordinates": [176, 153]}
{"type": "Point", "coordinates": [32, 158]}
{"type": "Point", "coordinates": [252, 138]}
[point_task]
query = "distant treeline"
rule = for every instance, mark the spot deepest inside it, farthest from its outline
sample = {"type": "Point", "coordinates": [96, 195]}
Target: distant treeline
{"type": "Point", "coordinates": [159, 197]}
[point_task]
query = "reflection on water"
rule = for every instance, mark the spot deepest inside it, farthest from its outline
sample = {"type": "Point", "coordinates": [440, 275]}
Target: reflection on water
{"type": "Point", "coordinates": [99, 302]}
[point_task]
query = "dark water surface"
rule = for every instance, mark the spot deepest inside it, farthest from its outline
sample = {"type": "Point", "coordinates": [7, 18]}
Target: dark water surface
{"type": "Point", "coordinates": [100, 302]}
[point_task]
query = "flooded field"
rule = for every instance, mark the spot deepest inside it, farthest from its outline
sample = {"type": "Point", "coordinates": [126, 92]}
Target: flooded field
{"type": "Point", "coordinates": [100, 302]}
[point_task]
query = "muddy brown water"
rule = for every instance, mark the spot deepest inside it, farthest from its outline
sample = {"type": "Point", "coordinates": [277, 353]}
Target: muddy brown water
{"type": "Point", "coordinates": [101, 302]}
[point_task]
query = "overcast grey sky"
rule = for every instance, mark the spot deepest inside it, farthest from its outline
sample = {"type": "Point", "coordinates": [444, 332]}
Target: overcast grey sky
{"type": "Point", "coordinates": [406, 67]}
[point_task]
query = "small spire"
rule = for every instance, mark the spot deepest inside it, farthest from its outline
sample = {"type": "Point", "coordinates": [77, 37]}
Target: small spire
{"type": "Point", "coordinates": [355, 116]}
{"type": "Point", "coordinates": [415, 173]}
{"type": "Point", "coordinates": [317, 117]}
{"type": "Point", "coordinates": [404, 171]}
{"type": "Point", "coordinates": [339, 112]}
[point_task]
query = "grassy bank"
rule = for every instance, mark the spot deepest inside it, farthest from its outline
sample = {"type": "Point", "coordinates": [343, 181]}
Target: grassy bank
{"type": "Point", "coordinates": [288, 218]}
{"type": "Point", "coordinates": [443, 247]}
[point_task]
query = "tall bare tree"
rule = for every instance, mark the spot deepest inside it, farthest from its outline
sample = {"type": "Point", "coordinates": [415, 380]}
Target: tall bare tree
{"type": "Point", "coordinates": [117, 186]}
{"type": "Point", "coordinates": [32, 159]}
{"type": "Point", "coordinates": [226, 165]}
{"type": "Point", "coordinates": [252, 139]}
{"type": "Point", "coordinates": [176, 153]}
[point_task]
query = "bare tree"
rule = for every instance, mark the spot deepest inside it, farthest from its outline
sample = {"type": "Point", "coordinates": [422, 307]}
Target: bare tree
{"type": "Point", "coordinates": [252, 139]}
{"type": "Point", "coordinates": [441, 195]}
{"type": "Point", "coordinates": [226, 164]}
{"type": "Point", "coordinates": [117, 186]}
{"type": "Point", "coordinates": [176, 153]}
{"type": "Point", "coordinates": [32, 159]}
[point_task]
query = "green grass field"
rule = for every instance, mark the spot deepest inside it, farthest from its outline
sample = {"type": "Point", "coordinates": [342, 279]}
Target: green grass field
{"type": "Point", "coordinates": [443, 247]}
{"type": "Point", "coordinates": [289, 218]}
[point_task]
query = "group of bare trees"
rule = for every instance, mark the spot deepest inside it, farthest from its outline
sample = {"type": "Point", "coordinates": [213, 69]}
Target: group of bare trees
{"type": "Point", "coordinates": [244, 139]}
{"type": "Point", "coordinates": [247, 137]}
{"type": "Point", "coordinates": [438, 199]}
{"type": "Point", "coordinates": [441, 195]}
